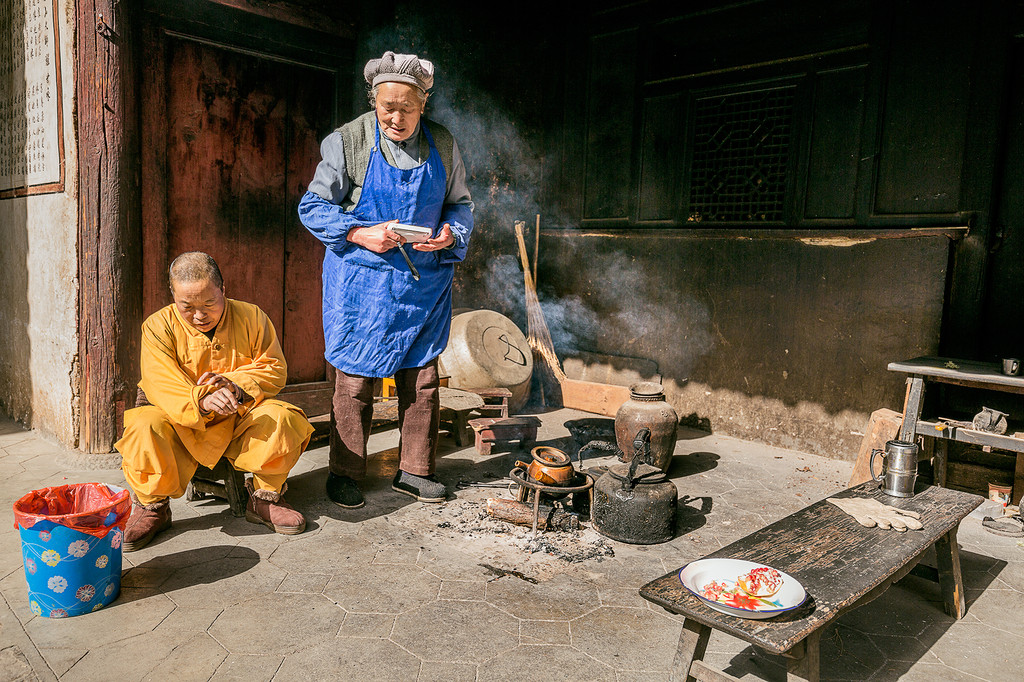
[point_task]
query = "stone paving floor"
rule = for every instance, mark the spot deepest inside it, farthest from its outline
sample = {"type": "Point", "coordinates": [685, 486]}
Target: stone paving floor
{"type": "Point", "coordinates": [388, 593]}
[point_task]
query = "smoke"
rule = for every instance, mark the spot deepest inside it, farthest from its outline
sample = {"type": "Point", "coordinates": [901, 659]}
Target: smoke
{"type": "Point", "coordinates": [504, 169]}
{"type": "Point", "coordinates": [623, 310]}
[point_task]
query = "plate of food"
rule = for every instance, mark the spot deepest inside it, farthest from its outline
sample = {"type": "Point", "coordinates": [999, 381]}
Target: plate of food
{"type": "Point", "coordinates": [742, 588]}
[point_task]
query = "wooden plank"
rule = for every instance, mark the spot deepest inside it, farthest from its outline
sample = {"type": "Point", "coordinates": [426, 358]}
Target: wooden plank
{"type": "Point", "coordinates": [693, 643]}
{"type": "Point", "coordinates": [108, 221]}
{"type": "Point", "coordinates": [1018, 481]}
{"type": "Point", "coordinates": [837, 561]}
{"type": "Point", "coordinates": [883, 426]}
{"type": "Point", "coordinates": [588, 396]}
{"type": "Point", "coordinates": [966, 372]}
{"type": "Point", "coordinates": [805, 663]}
{"type": "Point", "coordinates": [313, 398]}
{"type": "Point", "coordinates": [912, 409]}
{"type": "Point", "coordinates": [305, 15]}
{"type": "Point", "coordinates": [947, 554]}
{"type": "Point", "coordinates": [983, 438]}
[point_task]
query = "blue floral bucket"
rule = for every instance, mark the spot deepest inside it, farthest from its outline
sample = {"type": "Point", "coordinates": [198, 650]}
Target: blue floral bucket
{"type": "Point", "coordinates": [71, 546]}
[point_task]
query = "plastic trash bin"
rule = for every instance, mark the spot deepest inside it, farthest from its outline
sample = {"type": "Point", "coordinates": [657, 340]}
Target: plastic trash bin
{"type": "Point", "coordinates": [71, 546]}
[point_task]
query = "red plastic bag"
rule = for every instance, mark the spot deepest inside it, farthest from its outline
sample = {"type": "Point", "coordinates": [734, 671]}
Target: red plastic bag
{"type": "Point", "coordinates": [92, 508]}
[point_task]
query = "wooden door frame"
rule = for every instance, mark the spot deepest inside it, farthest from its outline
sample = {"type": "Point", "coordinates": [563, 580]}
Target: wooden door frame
{"type": "Point", "coordinates": [107, 80]}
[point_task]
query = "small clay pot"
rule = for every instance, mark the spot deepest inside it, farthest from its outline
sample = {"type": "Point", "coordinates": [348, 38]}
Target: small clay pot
{"type": "Point", "coordinates": [647, 407]}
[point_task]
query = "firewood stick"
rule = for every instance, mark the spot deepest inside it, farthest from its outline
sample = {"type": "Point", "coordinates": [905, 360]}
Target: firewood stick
{"type": "Point", "coordinates": [521, 514]}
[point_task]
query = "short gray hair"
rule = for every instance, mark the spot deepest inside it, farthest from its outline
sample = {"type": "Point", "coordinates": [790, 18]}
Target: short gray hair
{"type": "Point", "coordinates": [371, 95]}
{"type": "Point", "coordinates": [195, 266]}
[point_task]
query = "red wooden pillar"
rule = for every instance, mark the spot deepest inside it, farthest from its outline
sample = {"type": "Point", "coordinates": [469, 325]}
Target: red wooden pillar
{"type": "Point", "coordinates": [109, 261]}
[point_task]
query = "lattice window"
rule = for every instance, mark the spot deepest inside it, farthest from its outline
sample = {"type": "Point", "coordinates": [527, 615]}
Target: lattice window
{"type": "Point", "coordinates": [741, 156]}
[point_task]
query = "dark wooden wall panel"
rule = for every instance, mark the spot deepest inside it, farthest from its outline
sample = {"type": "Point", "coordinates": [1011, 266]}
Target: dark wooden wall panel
{"type": "Point", "coordinates": [611, 91]}
{"type": "Point", "coordinates": [662, 157]}
{"type": "Point", "coordinates": [925, 118]}
{"type": "Point", "coordinates": [836, 118]}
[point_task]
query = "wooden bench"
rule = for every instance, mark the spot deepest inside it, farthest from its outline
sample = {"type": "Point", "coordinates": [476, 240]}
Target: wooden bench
{"type": "Point", "coordinates": [841, 564]}
{"type": "Point", "coordinates": [970, 373]}
{"type": "Point", "coordinates": [495, 430]}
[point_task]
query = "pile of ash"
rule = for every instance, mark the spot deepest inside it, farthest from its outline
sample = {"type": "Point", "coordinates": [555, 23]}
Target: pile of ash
{"type": "Point", "coordinates": [468, 519]}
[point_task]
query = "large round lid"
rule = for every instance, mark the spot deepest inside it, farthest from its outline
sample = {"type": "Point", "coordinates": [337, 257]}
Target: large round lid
{"type": "Point", "coordinates": [645, 473]}
{"type": "Point", "coordinates": [486, 349]}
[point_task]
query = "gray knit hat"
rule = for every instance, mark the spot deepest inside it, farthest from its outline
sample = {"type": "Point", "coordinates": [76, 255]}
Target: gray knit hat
{"type": "Point", "coordinates": [400, 68]}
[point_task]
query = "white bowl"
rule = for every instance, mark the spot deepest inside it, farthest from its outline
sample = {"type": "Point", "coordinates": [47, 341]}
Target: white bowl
{"type": "Point", "coordinates": [695, 575]}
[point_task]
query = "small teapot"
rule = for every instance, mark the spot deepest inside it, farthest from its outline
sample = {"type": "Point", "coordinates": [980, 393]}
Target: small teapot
{"type": "Point", "coordinates": [550, 466]}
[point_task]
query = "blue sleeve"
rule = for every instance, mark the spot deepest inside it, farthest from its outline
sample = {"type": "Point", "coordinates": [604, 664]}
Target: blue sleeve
{"type": "Point", "coordinates": [460, 218]}
{"type": "Point", "coordinates": [327, 221]}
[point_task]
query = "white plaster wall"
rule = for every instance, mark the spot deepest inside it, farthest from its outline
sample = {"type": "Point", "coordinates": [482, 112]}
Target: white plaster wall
{"type": "Point", "coordinates": [39, 377]}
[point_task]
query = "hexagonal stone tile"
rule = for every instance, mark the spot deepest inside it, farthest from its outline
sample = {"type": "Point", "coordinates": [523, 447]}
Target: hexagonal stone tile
{"type": "Point", "coordinates": [560, 598]}
{"type": "Point", "coordinates": [849, 655]}
{"type": "Point", "coordinates": [544, 632]}
{"type": "Point", "coordinates": [346, 554]}
{"type": "Point", "coordinates": [376, 588]}
{"type": "Point", "coordinates": [456, 631]}
{"type": "Point", "coordinates": [196, 658]}
{"type": "Point", "coordinates": [129, 658]}
{"type": "Point", "coordinates": [902, 610]}
{"type": "Point", "coordinates": [236, 580]}
{"type": "Point", "coordinates": [451, 564]}
{"type": "Point", "coordinates": [980, 649]}
{"type": "Point", "coordinates": [651, 638]}
{"type": "Point", "coordinates": [350, 659]}
{"type": "Point", "coordinates": [134, 612]}
{"type": "Point", "coordinates": [247, 668]}
{"type": "Point", "coordinates": [372, 625]}
{"type": "Point", "coordinates": [277, 624]}
{"type": "Point", "coordinates": [553, 663]}
{"type": "Point", "coordinates": [447, 672]}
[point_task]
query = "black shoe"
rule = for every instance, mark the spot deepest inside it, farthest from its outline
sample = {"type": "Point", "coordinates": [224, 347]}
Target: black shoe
{"type": "Point", "coordinates": [423, 488]}
{"type": "Point", "coordinates": [344, 492]}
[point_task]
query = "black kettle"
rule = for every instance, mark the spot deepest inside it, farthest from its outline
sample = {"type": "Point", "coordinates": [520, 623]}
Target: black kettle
{"type": "Point", "coordinates": [636, 503]}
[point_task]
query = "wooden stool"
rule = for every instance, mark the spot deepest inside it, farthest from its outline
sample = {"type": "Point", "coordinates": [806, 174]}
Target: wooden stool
{"type": "Point", "coordinates": [456, 406]}
{"type": "Point", "coordinates": [492, 430]}
{"type": "Point", "coordinates": [495, 400]}
{"type": "Point", "coordinates": [223, 481]}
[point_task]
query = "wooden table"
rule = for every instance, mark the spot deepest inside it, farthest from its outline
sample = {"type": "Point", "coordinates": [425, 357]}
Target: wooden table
{"type": "Point", "coordinates": [961, 373]}
{"type": "Point", "coordinates": [841, 564]}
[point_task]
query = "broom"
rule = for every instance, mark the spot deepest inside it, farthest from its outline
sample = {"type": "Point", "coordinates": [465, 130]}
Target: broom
{"type": "Point", "coordinates": [556, 387]}
{"type": "Point", "coordinates": [538, 335]}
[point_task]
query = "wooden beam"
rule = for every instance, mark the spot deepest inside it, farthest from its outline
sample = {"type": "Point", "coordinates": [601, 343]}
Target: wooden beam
{"type": "Point", "coordinates": [109, 264]}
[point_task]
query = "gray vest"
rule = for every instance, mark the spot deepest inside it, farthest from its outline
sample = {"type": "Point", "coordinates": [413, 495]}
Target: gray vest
{"type": "Point", "coordinates": [358, 136]}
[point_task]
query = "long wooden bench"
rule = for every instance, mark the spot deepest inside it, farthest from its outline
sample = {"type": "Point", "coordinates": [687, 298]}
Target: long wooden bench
{"type": "Point", "coordinates": [841, 565]}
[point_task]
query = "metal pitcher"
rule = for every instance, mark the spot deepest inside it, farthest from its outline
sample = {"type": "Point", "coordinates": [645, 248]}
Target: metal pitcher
{"type": "Point", "coordinates": [900, 468]}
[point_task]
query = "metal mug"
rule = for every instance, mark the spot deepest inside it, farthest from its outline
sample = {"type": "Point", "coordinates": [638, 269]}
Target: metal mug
{"type": "Point", "coordinates": [1011, 366]}
{"type": "Point", "coordinates": [900, 468]}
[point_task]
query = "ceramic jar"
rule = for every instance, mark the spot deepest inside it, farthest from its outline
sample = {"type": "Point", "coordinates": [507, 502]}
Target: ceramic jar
{"type": "Point", "coordinates": [648, 408]}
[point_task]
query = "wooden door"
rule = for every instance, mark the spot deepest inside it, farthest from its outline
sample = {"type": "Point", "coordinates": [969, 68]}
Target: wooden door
{"type": "Point", "coordinates": [230, 141]}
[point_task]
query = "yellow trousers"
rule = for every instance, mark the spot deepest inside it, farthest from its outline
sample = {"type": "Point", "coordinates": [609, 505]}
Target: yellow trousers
{"type": "Point", "coordinates": [266, 441]}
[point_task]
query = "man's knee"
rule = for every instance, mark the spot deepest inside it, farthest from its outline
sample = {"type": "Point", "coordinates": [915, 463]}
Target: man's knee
{"type": "Point", "coordinates": [146, 420]}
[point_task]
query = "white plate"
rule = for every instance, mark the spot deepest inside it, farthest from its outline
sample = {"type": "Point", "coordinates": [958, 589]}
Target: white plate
{"type": "Point", "coordinates": [412, 233]}
{"type": "Point", "coordinates": [697, 574]}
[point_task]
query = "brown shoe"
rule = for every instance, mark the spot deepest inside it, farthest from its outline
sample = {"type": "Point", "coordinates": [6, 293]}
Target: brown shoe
{"type": "Point", "coordinates": [270, 509]}
{"type": "Point", "coordinates": [145, 522]}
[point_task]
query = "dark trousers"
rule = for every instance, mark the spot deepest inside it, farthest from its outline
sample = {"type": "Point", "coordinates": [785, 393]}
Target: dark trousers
{"type": "Point", "coordinates": [419, 415]}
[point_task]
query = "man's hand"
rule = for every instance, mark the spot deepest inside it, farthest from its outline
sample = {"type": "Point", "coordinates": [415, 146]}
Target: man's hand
{"type": "Point", "coordinates": [226, 397]}
{"type": "Point", "coordinates": [377, 238]}
{"type": "Point", "coordinates": [443, 240]}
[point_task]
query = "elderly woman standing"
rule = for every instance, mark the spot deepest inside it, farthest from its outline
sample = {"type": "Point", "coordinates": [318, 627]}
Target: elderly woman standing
{"type": "Point", "coordinates": [387, 308]}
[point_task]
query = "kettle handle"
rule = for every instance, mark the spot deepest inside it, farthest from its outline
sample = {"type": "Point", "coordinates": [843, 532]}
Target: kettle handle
{"type": "Point", "coordinates": [871, 464]}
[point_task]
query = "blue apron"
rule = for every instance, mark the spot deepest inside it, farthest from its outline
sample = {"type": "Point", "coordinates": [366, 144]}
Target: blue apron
{"type": "Point", "coordinates": [377, 318]}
